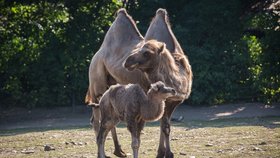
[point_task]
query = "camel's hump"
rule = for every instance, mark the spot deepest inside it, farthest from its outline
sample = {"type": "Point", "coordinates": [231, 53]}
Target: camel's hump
{"type": "Point", "coordinates": [162, 12]}
{"type": "Point", "coordinates": [122, 11]}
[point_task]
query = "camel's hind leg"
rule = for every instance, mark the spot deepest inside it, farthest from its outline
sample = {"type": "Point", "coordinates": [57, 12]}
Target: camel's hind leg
{"type": "Point", "coordinates": [118, 150]}
{"type": "Point", "coordinates": [164, 144]}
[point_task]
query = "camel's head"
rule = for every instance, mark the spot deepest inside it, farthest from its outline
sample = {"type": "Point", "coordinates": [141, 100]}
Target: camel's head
{"type": "Point", "coordinates": [146, 58]}
{"type": "Point", "coordinates": [161, 90]}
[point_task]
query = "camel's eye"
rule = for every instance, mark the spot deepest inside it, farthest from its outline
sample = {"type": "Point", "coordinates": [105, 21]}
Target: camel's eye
{"type": "Point", "coordinates": [146, 54]}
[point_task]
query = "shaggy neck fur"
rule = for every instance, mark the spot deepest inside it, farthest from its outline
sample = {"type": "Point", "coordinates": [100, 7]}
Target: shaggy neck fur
{"type": "Point", "coordinates": [153, 108]}
{"type": "Point", "coordinates": [175, 71]}
{"type": "Point", "coordinates": [170, 73]}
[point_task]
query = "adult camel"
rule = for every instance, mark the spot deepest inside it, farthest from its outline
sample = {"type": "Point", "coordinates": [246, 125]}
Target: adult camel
{"type": "Point", "coordinates": [123, 41]}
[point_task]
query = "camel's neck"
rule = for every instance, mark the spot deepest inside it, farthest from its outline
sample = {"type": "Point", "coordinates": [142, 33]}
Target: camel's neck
{"type": "Point", "coordinates": [152, 109]}
{"type": "Point", "coordinates": [171, 74]}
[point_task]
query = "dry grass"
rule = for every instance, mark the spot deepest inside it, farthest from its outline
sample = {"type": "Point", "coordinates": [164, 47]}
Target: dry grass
{"type": "Point", "coordinates": [252, 137]}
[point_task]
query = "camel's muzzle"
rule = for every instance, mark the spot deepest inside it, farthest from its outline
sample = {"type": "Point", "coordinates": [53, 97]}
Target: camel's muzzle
{"type": "Point", "coordinates": [130, 64]}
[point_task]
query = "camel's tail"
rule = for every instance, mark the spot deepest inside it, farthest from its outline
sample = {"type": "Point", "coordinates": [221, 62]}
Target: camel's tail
{"type": "Point", "coordinates": [88, 98]}
{"type": "Point", "coordinates": [94, 105]}
{"type": "Point", "coordinates": [95, 118]}
{"type": "Point", "coordinates": [96, 114]}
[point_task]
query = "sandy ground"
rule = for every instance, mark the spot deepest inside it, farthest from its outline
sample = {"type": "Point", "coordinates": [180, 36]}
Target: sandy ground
{"type": "Point", "coordinates": [65, 116]}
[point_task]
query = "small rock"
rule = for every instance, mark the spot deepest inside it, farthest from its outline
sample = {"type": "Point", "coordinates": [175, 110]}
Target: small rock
{"type": "Point", "coordinates": [209, 144]}
{"type": "Point", "coordinates": [262, 143]}
{"type": "Point", "coordinates": [242, 148]}
{"type": "Point", "coordinates": [73, 143]}
{"type": "Point", "coordinates": [48, 148]}
{"type": "Point", "coordinates": [175, 139]}
{"type": "Point", "coordinates": [66, 143]}
{"type": "Point", "coordinates": [256, 149]}
{"type": "Point", "coordinates": [26, 151]}
{"type": "Point", "coordinates": [80, 143]}
{"type": "Point", "coordinates": [181, 153]}
{"type": "Point", "coordinates": [220, 151]}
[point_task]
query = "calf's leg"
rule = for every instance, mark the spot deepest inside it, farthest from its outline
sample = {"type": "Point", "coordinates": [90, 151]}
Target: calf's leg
{"type": "Point", "coordinates": [135, 130]}
{"type": "Point", "coordinates": [118, 150]}
{"type": "Point", "coordinates": [106, 125]}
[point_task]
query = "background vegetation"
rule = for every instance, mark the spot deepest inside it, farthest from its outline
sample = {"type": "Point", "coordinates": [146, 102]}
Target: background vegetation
{"type": "Point", "coordinates": [46, 47]}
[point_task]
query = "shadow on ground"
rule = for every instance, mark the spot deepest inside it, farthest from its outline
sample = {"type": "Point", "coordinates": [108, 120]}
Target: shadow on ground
{"type": "Point", "coordinates": [20, 121]}
{"type": "Point", "coordinates": [268, 122]}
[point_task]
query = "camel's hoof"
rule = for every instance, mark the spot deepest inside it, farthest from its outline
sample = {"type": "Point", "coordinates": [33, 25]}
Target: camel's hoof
{"type": "Point", "coordinates": [119, 153]}
{"type": "Point", "coordinates": [169, 155]}
{"type": "Point", "coordinates": [160, 155]}
{"type": "Point", "coordinates": [105, 156]}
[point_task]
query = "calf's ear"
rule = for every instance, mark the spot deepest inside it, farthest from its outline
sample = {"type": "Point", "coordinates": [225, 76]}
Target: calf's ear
{"type": "Point", "coordinates": [154, 87]}
{"type": "Point", "coordinates": [161, 48]}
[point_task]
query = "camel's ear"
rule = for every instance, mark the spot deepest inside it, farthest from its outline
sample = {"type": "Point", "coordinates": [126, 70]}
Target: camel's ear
{"type": "Point", "coordinates": [160, 30]}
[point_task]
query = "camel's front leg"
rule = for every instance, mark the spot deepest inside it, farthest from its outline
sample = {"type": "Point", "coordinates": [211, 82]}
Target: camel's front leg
{"type": "Point", "coordinates": [164, 142]}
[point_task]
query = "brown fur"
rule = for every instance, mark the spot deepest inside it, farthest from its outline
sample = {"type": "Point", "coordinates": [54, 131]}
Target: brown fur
{"type": "Point", "coordinates": [122, 40]}
{"type": "Point", "coordinates": [170, 66]}
{"type": "Point", "coordinates": [155, 60]}
{"type": "Point", "coordinates": [130, 103]}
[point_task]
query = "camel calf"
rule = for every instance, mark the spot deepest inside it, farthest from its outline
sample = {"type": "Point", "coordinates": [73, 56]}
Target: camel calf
{"type": "Point", "coordinates": [129, 103]}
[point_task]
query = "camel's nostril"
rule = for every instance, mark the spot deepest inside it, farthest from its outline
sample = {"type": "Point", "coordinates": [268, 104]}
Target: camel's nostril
{"type": "Point", "coordinates": [173, 91]}
{"type": "Point", "coordinates": [128, 62]}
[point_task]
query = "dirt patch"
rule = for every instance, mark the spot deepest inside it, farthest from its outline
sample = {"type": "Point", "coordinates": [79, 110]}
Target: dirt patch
{"type": "Point", "coordinates": [239, 130]}
{"type": "Point", "coordinates": [216, 138]}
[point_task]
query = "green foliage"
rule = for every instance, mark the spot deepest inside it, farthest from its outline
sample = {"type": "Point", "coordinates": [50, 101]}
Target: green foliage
{"type": "Point", "coordinates": [46, 47]}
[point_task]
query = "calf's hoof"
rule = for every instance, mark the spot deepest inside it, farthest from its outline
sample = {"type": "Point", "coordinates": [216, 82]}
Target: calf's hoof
{"type": "Point", "coordinates": [120, 153]}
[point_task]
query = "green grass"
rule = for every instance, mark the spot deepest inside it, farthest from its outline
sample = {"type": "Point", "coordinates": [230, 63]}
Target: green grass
{"type": "Point", "coordinates": [247, 137]}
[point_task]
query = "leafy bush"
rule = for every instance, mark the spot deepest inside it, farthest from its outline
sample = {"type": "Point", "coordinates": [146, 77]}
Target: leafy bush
{"type": "Point", "coordinates": [46, 47]}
